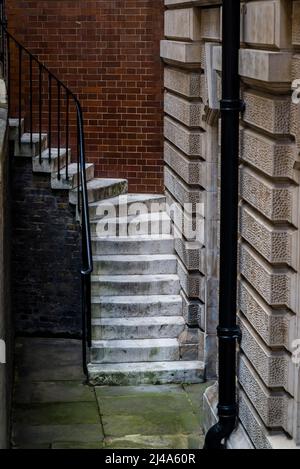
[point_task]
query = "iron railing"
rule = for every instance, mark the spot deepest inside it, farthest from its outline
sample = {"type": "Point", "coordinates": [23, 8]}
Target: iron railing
{"type": "Point", "coordinates": [43, 103]}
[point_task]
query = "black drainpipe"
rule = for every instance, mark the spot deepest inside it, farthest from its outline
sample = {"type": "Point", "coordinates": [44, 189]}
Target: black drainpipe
{"type": "Point", "coordinates": [228, 331]}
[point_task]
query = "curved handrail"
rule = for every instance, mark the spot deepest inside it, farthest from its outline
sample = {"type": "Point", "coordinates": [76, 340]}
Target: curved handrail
{"type": "Point", "coordinates": [87, 258]}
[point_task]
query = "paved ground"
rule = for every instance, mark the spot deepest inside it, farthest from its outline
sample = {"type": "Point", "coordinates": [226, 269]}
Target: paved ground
{"type": "Point", "coordinates": [54, 409]}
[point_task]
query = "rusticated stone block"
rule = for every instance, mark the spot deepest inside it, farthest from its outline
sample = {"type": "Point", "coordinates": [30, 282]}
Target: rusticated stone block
{"type": "Point", "coordinates": [187, 53]}
{"type": "Point", "coordinates": [181, 191]}
{"type": "Point", "coordinates": [277, 286]}
{"type": "Point", "coordinates": [193, 311]}
{"type": "Point", "coordinates": [274, 157]}
{"type": "Point", "coordinates": [188, 170]}
{"type": "Point", "coordinates": [262, 65]}
{"type": "Point", "coordinates": [270, 113]}
{"type": "Point", "coordinates": [272, 367]}
{"type": "Point", "coordinates": [267, 23]}
{"type": "Point", "coordinates": [183, 82]}
{"type": "Point", "coordinates": [211, 23]}
{"type": "Point", "coordinates": [278, 202]}
{"type": "Point", "coordinates": [188, 252]}
{"type": "Point", "coordinates": [188, 141]}
{"type": "Point", "coordinates": [193, 284]}
{"type": "Point", "coordinates": [188, 112]}
{"type": "Point", "coordinates": [296, 24]}
{"type": "Point", "coordinates": [276, 245]}
{"type": "Point", "coordinates": [273, 326]}
{"type": "Point", "coordinates": [273, 408]}
{"type": "Point", "coordinates": [183, 24]}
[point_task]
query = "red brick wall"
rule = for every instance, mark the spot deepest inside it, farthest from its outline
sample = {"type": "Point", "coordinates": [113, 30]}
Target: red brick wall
{"type": "Point", "coordinates": [107, 51]}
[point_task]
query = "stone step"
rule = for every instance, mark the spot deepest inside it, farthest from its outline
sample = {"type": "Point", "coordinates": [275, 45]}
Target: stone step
{"type": "Point", "coordinates": [135, 264]}
{"type": "Point", "coordinates": [137, 328]}
{"type": "Point", "coordinates": [156, 244]}
{"type": "Point", "coordinates": [128, 351]}
{"type": "Point", "coordinates": [134, 374]}
{"type": "Point", "coordinates": [28, 150]}
{"type": "Point", "coordinates": [46, 166]}
{"type": "Point", "coordinates": [133, 225]}
{"type": "Point", "coordinates": [72, 181]}
{"type": "Point", "coordinates": [14, 128]}
{"type": "Point", "coordinates": [141, 306]}
{"type": "Point", "coordinates": [99, 189]}
{"type": "Point", "coordinates": [108, 285]}
{"type": "Point", "coordinates": [127, 205]}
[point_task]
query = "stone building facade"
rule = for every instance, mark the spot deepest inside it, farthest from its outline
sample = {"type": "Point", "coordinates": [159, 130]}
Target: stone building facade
{"type": "Point", "coordinates": [269, 261]}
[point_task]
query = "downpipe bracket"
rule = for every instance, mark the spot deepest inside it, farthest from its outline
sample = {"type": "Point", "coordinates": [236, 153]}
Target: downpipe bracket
{"type": "Point", "coordinates": [233, 105]}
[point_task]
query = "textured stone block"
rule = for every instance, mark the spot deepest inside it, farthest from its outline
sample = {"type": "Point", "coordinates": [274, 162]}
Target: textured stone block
{"type": "Point", "coordinates": [183, 24]}
{"type": "Point", "coordinates": [277, 202]}
{"type": "Point", "coordinates": [274, 327]}
{"type": "Point", "coordinates": [181, 52]}
{"type": "Point", "coordinates": [270, 113]}
{"type": "Point", "coordinates": [275, 158]}
{"type": "Point", "coordinates": [193, 311]}
{"type": "Point", "coordinates": [191, 142]}
{"type": "Point", "coordinates": [181, 191]}
{"type": "Point", "coordinates": [193, 284]}
{"type": "Point", "coordinates": [211, 23]}
{"type": "Point", "coordinates": [189, 253]}
{"type": "Point", "coordinates": [296, 24]}
{"type": "Point", "coordinates": [275, 244]}
{"type": "Point", "coordinates": [189, 113]}
{"type": "Point", "coordinates": [273, 408]}
{"type": "Point", "coordinates": [267, 23]}
{"type": "Point", "coordinates": [272, 367]}
{"type": "Point", "coordinates": [188, 170]}
{"type": "Point", "coordinates": [183, 82]}
{"type": "Point", "coordinates": [277, 286]}
{"type": "Point", "coordinates": [262, 65]}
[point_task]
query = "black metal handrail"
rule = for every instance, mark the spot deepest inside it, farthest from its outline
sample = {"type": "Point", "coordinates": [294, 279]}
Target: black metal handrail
{"type": "Point", "coordinates": [62, 130]}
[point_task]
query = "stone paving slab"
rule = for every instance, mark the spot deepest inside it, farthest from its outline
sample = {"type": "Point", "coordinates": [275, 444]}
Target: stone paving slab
{"type": "Point", "coordinates": [53, 391]}
{"type": "Point", "coordinates": [53, 409]}
{"type": "Point", "coordinates": [63, 413]}
{"type": "Point", "coordinates": [33, 436]}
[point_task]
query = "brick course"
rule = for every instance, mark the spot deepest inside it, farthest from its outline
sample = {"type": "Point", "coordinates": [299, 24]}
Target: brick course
{"type": "Point", "coordinates": [108, 53]}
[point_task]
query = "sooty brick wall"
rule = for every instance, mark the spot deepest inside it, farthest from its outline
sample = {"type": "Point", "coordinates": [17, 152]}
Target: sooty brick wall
{"type": "Point", "coordinates": [107, 51]}
{"type": "Point", "coordinates": [45, 256]}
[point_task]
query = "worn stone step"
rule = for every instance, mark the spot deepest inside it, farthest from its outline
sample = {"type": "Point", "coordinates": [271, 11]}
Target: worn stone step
{"type": "Point", "coordinates": [135, 264]}
{"type": "Point", "coordinates": [156, 244]}
{"type": "Point", "coordinates": [134, 374]}
{"type": "Point", "coordinates": [138, 305]}
{"type": "Point", "coordinates": [99, 189]}
{"type": "Point", "coordinates": [138, 350]}
{"type": "Point", "coordinates": [28, 150]}
{"type": "Point", "coordinates": [137, 327]}
{"type": "Point", "coordinates": [72, 181]}
{"type": "Point", "coordinates": [14, 128]}
{"type": "Point", "coordinates": [107, 285]}
{"type": "Point", "coordinates": [46, 166]}
{"type": "Point", "coordinates": [127, 205]}
{"type": "Point", "coordinates": [133, 225]}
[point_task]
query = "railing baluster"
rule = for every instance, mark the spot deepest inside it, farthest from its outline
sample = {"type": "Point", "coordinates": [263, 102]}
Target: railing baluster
{"type": "Point", "coordinates": [82, 190]}
{"type": "Point", "coordinates": [58, 130]}
{"type": "Point", "coordinates": [40, 112]}
{"type": "Point", "coordinates": [67, 133]}
{"type": "Point", "coordinates": [78, 169]}
{"type": "Point", "coordinates": [20, 97]}
{"type": "Point", "coordinates": [30, 99]}
{"type": "Point", "coordinates": [49, 116]}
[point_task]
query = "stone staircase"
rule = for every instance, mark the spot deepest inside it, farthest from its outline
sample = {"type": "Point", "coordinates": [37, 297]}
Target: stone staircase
{"type": "Point", "coordinates": [137, 316]}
